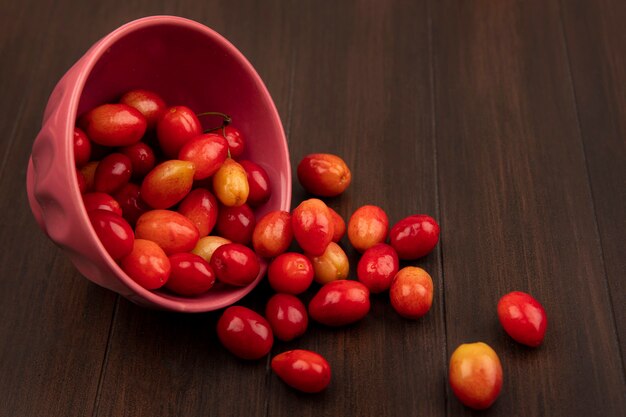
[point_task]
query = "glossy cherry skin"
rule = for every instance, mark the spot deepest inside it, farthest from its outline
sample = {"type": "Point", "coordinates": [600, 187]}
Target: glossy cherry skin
{"type": "Point", "coordinates": [113, 231]}
{"type": "Point", "coordinates": [339, 225]}
{"type": "Point", "coordinates": [147, 265]}
{"type": "Point", "coordinates": [245, 333]}
{"type": "Point", "coordinates": [167, 184]}
{"type": "Point", "coordinates": [82, 147]}
{"type": "Point", "coordinates": [177, 126]}
{"type": "Point", "coordinates": [82, 182]}
{"type": "Point", "coordinates": [339, 303]}
{"type": "Point", "coordinates": [101, 201]}
{"type": "Point", "coordinates": [272, 234]}
{"type": "Point", "coordinates": [290, 273]}
{"type": "Point", "coordinates": [236, 223]}
{"type": "Point", "coordinates": [367, 226]}
{"type": "Point", "coordinates": [415, 236]}
{"type": "Point", "coordinates": [129, 199]}
{"type": "Point", "coordinates": [236, 143]}
{"type": "Point", "coordinates": [331, 265]}
{"type": "Point", "coordinates": [200, 206]}
{"type": "Point", "coordinates": [207, 245]}
{"type": "Point", "coordinates": [303, 370]}
{"type": "Point", "coordinates": [475, 375]}
{"type": "Point", "coordinates": [523, 318]}
{"type": "Point", "coordinates": [235, 264]}
{"type": "Point", "coordinates": [377, 267]}
{"type": "Point", "coordinates": [207, 152]}
{"type": "Point", "coordinates": [287, 316]}
{"type": "Point", "coordinates": [190, 275]}
{"type": "Point", "coordinates": [141, 157]}
{"type": "Point", "coordinates": [148, 103]}
{"type": "Point", "coordinates": [172, 231]}
{"type": "Point", "coordinates": [259, 183]}
{"type": "Point", "coordinates": [113, 125]}
{"type": "Point", "coordinates": [230, 184]}
{"type": "Point", "coordinates": [112, 173]}
{"type": "Point", "coordinates": [312, 226]}
{"type": "Point", "coordinates": [325, 175]}
{"type": "Point", "coordinates": [411, 292]}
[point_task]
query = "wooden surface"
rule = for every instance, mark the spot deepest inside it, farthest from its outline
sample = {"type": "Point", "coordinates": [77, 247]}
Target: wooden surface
{"type": "Point", "coordinates": [505, 120]}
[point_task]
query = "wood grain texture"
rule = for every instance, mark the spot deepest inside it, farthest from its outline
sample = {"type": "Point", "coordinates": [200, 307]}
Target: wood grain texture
{"type": "Point", "coordinates": [596, 40]}
{"type": "Point", "coordinates": [516, 206]}
{"type": "Point", "coordinates": [504, 120]}
{"type": "Point", "coordinates": [353, 97]}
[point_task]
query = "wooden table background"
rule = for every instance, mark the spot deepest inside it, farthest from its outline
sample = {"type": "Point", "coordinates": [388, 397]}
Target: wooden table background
{"type": "Point", "coordinates": [505, 120]}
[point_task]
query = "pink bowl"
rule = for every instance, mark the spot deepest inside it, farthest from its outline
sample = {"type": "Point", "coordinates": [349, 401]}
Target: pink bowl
{"type": "Point", "coordinates": [186, 63]}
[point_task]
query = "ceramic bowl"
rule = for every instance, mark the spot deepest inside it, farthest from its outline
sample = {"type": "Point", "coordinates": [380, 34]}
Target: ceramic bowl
{"type": "Point", "coordinates": [186, 63]}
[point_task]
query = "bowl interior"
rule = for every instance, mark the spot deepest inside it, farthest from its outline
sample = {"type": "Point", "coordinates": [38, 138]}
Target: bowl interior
{"type": "Point", "coordinates": [188, 64]}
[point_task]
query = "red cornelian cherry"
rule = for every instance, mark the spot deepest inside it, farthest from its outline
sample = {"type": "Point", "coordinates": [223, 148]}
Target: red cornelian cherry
{"type": "Point", "coordinates": [167, 184]}
{"type": "Point", "coordinates": [259, 182]}
{"type": "Point", "coordinates": [112, 173]}
{"type": "Point", "coordinates": [172, 231]}
{"type": "Point", "coordinates": [325, 175]}
{"type": "Point", "coordinates": [236, 143]}
{"type": "Point", "coordinates": [272, 234]}
{"type": "Point", "coordinates": [303, 370]}
{"type": "Point", "coordinates": [523, 318]}
{"type": "Point", "coordinates": [82, 147]}
{"type": "Point", "coordinates": [236, 223]}
{"type": "Point", "coordinates": [148, 103]}
{"type": "Point", "coordinates": [147, 264]}
{"type": "Point", "coordinates": [287, 316]}
{"type": "Point", "coordinates": [129, 199]}
{"type": "Point", "coordinates": [312, 226]}
{"type": "Point", "coordinates": [101, 201]}
{"type": "Point", "coordinates": [330, 266]}
{"type": "Point", "coordinates": [411, 292]}
{"type": "Point", "coordinates": [377, 267]}
{"type": "Point", "coordinates": [200, 206]}
{"type": "Point", "coordinates": [113, 125]}
{"type": "Point", "coordinates": [113, 231]}
{"type": "Point", "coordinates": [415, 236]}
{"type": "Point", "coordinates": [177, 126]}
{"type": "Point", "coordinates": [235, 264]}
{"type": "Point", "coordinates": [207, 152]}
{"type": "Point", "coordinates": [367, 226]}
{"type": "Point", "coordinates": [339, 303]}
{"type": "Point", "coordinates": [290, 273]}
{"type": "Point", "coordinates": [190, 275]}
{"type": "Point", "coordinates": [245, 333]}
{"type": "Point", "coordinates": [141, 157]}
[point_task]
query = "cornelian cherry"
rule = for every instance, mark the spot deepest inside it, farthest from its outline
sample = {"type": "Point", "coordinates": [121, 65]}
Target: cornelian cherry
{"type": "Point", "coordinates": [290, 273]}
{"type": "Point", "coordinates": [200, 206]}
{"type": "Point", "coordinates": [190, 275]}
{"type": "Point", "coordinates": [82, 147]}
{"type": "Point", "coordinates": [303, 370]}
{"type": "Point", "coordinates": [141, 157]}
{"type": "Point", "coordinates": [113, 125]}
{"type": "Point", "coordinates": [312, 226]}
{"type": "Point", "coordinates": [101, 201]}
{"type": "Point", "coordinates": [207, 152]}
{"type": "Point", "coordinates": [287, 316]}
{"type": "Point", "coordinates": [236, 143]}
{"type": "Point", "coordinates": [272, 234]}
{"type": "Point", "coordinates": [148, 103]}
{"type": "Point", "coordinates": [113, 231]}
{"type": "Point", "coordinates": [340, 302]}
{"type": "Point", "coordinates": [414, 236]}
{"type": "Point", "coordinates": [147, 264]}
{"type": "Point", "coordinates": [235, 264]}
{"type": "Point", "coordinates": [129, 199]}
{"type": "Point", "coordinates": [523, 318]}
{"type": "Point", "coordinates": [367, 226]}
{"type": "Point", "coordinates": [377, 267]}
{"type": "Point", "coordinates": [177, 126]}
{"type": "Point", "coordinates": [236, 223]}
{"type": "Point", "coordinates": [172, 231]}
{"type": "Point", "coordinates": [112, 173]}
{"type": "Point", "coordinates": [245, 333]}
{"type": "Point", "coordinates": [259, 183]}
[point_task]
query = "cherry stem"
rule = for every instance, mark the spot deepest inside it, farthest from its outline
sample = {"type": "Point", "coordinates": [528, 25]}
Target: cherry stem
{"type": "Point", "coordinates": [226, 119]}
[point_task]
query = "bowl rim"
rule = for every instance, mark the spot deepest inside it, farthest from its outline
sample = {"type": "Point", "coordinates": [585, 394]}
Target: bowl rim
{"type": "Point", "coordinates": [92, 56]}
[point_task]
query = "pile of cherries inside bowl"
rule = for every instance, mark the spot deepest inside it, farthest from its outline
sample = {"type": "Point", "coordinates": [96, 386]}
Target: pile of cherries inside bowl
{"type": "Point", "coordinates": [173, 204]}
